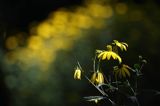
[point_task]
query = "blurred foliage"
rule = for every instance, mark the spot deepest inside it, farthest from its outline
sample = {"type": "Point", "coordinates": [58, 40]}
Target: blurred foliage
{"type": "Point", "coordinates": [38, 66]}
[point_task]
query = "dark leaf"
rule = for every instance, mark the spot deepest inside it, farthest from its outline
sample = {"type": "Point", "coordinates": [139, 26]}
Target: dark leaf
{"type": "Point", "coordinates": [137, 66]}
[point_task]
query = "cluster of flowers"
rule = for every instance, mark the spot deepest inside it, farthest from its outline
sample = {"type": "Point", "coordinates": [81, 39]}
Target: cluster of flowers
{"type": "Point", "coordinates": [111, 52]}
{"type": "Point", "coordinates": [117, 80]}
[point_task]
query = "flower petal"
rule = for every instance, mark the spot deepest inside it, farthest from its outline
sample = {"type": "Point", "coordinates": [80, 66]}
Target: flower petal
{"type": "Point", "coordinates": [125, 44]}
{"type": "Point", "coordinates": [104, 55]}
{"type": "Point", "coordinates": [77, 74]}
{"type": "Point", "coordinates": [127, 71]}
{"type": "Point", "coordinates": [124, 47]}
{"type": "Point", "coordinates": [109, 55]}
{"type": "Point", "coordinates": [114, 55]}
{"type": "Point", "coordinates": [119, 59]}
{"type": "Point", "coordinates": [93, 78]}
{"type": "Point", "coordinates": [123, 72]}
{"type": "Point", "coordinates": [100, 55]}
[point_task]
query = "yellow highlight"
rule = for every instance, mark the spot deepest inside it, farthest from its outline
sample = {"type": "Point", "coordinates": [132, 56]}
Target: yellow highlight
{"type": "Point", "coordinates": [35, 43]}
{"type": "Point", "coordinates": [60, 17]}
{"type": "Point", "coordinates": [100, 11]}
{"type": "Point", "coordinates": [82, 21]}
{"type": "Point", "coordinates": [72, 31]}
{"type": "Point", "coordinates": [61, 44]}
{"type": "Point", "coordinates": [44, 30]}
{"type": "Point", "coordinates": [58, 32]}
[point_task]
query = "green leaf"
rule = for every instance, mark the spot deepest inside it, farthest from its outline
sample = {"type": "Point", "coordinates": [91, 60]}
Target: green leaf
{"type": "Point", "coordinates": [137, 66]}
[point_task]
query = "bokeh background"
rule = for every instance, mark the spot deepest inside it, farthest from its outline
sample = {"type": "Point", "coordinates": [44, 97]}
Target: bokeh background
{"type": "Point", "coordinates": [41, 41]}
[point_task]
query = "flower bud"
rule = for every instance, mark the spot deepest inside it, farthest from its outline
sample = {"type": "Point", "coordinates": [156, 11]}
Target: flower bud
{"type": "Point", "coordinates": [77, 74]}
{"type": "Point", "coordinates": [97, 78]}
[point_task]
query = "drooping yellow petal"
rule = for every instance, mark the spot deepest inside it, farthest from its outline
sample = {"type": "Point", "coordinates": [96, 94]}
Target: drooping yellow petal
{"type": "Point", "coordinates": [93, 78]}
{"type": "Point", "coordinates": [97, 78]}
{"type": "Point", "coordinates": [119, 59]}
{"type": "Point", "coordinates": [100, 55]}
{"type": "Point", "coordinates": [114, 55]}
{"type": "Point", "coordinates": [100, 78]}
{"type": "Point", "coordinates": [123, 73]}
{"type": "Point", "coordinates": [125, 44]}
{"type": "Point", "coordinates": [108, 55]}
{"type": "Point", "coordinates": [121, 45]}
{"type": "Point", "coordinates": [117, 43]}
{"type": "Point", "coordinates": [124, 47]}
{"type": "Point", "coordinates": [104, 55]}
{"type": "Point", "coordinates": [127, 71]}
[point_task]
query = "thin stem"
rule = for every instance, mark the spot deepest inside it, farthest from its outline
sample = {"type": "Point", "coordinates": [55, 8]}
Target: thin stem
{"type": "Point", "coordinates": [117, 83]}
{"type": "Point", "coordinates": [102, 92]}
{"type": "Point", "coordinates": [131, 88]}
{"type": "Point", "coordinates": [141, 67]}
{"type": "Point", "coordinates": [136, 85]}
{"type": "Point", "coordinates": [105, 78]}
{"type": "Point", "coordinates": [98, 66]}
{"type": "Point", "coordinates": [94, 64]}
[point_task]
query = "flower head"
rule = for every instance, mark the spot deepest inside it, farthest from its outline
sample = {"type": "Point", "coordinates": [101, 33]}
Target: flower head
{"type": "Point", "coordinates": [108, 54]}
{"type": "Point", "coordinates": [121, 45]}
{"type": "Point", "coordinates": [97, 78]}
{"type": "Point", "coordinates": [77, 73]}
{"type": "Point", "coordinates": [122, 71]}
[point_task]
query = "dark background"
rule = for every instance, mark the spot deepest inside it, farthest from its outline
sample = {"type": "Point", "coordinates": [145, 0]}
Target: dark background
{"type": "Point", "coordinates": [17, 15]}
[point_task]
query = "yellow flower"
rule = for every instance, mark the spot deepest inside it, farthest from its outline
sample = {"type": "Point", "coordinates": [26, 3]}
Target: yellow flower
{"type": "Point", "coordinates": [108, 54]}
{"type": "Point", "coordinates": [97, 78]}
{"type": "Point", "coordinates": [122, 71]}
{"type": "Point", "coordinates": [77, 74]}
{"type": "Point", "coordinates": [121, 45]}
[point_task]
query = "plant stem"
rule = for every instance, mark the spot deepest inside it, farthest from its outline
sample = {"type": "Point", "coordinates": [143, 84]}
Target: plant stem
{"type": "Point", "coordinates": [101, 91]}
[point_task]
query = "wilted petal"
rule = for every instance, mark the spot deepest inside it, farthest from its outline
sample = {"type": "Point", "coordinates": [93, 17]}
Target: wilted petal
{"type": "Point", "coordinates": [123, 73]}
{"type": "Point", "coordinates": [100, 78]}
{"type": "Point", "coordinates": [127, 71]}
{"type": "Point", "coordinates": [97, 78]}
